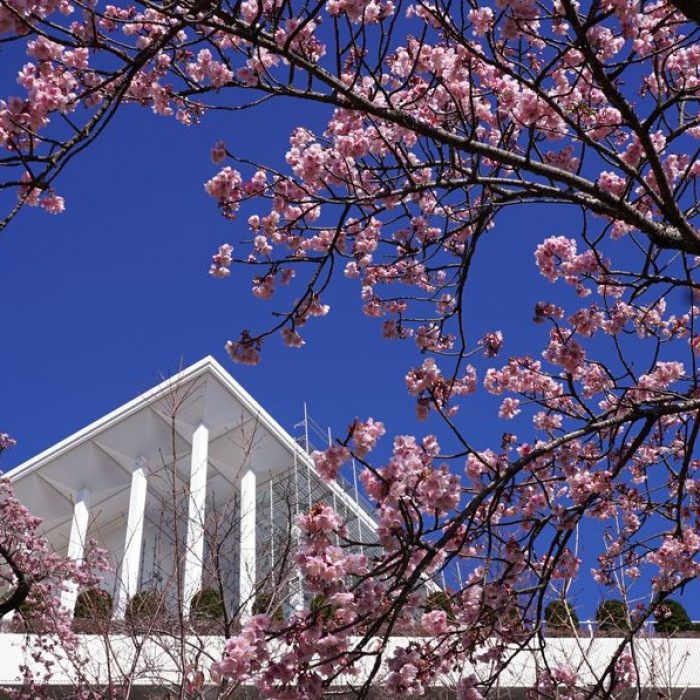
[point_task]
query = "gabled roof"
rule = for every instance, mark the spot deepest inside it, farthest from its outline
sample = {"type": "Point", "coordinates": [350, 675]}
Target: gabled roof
{"type": "Point", "coordinates": [207, 366]}
{"type": "Point", "coordinates": [101, 455]}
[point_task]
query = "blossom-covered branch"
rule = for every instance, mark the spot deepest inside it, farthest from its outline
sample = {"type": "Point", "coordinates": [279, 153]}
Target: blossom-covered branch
{"type": "Point", "coordinates": [440, 117]}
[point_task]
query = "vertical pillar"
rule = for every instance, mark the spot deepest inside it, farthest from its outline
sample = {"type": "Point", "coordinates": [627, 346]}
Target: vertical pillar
{"type": "Point", "coordinates": [296, 598]}
{"type": "Point", "coordinates": [246, 586]}
{"type": "Point", "coordinates": [133, 538]}
{"type": "Point", "coordinates": [296, 583]}
{"type": "Point", "coordinates": [194, 553]}
{"type": "Point", "coordinates": [76, 544]}
{"type": "Point", "coordinates": [271, 495]}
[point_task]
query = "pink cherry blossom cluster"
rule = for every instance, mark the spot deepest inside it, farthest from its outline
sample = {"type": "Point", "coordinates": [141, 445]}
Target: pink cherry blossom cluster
{"type": "Point", "coordinates": [244, 653]}
{"type": "Point", "coordinates": [6, 441]}
{"type": "Point", "coordinates": [328, 462]}
{"type": "Point", "coordinates": [246, 350]}
{"type": "Point", "coordinates": [411, 476]}
{"type": "Point", "coordinates": [433, 389]}
{"type": "Point", "coordinates": [558, 682]}
{"type": "Point", "coordinates": [365, 435]}
{"type": "Point", "coordinates": [557, 257]}
{"type": "Point", "coordinates": [676, 559]}
{"type": "Point", "coordinates": [656, 382]}
{"type": "Point", "coordinates": [324, 565]}
{"type": "Point", "coordinates": [221, 261]}
{"type": "Point", "coordinates": [30, 566]}
{"type": "Point", "coordinates": [370, 12]}
{"type": "Point", "coordinates": [492, 343]}
{"type": "Point", "coordinates": [411, 671]}
{"type": "Point", "coordinates": [207, 69]}
{"type": "Point", "coordinates": [226, 188]}
{"type": "Point", "coordinates": [17, 17]}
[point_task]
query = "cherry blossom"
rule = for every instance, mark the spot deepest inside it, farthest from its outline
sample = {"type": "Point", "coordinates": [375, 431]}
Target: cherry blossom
{"type": "Point", "coordinates": [435, 123]}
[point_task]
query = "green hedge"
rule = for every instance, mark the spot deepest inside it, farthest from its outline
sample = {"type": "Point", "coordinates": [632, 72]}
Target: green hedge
{"type": "Point", "coordinates": [560, 616]}
{"type": "Point", "coordinates": [207, 604]}
{"type": "Point", "coordinates": [144, 605]}
{"type": "Point", "coordinates": [439, 600]}
{"type": "Point", "coordinates": [676, 619]}
{"type": "Point", "coordinates": [612, 615]}
{"type": "Point", "coordinates": [93, 603]}
{"type": "Point", "coordinates": [263, 605]}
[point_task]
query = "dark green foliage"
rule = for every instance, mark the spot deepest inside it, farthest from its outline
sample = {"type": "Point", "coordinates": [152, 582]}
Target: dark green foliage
{"type": "Point", "coordinates": [321, 606]}
{"type": "Point", "coordinates": [207, 604]}
{"type": "Point", "coordinates": [262, 605]}
{"type": "Point", "coordinates": [671, 617]}
{"type": "Point", "coordinates": [612, 615]}
{"type": "Point", "coordinates": [439, 600]}
{"type": "Point", "coordinates": [93, 603]}
{"type": "Point", "coordinates": [145, 605]}
{"type": "Point", "coordinates": [560, 616]}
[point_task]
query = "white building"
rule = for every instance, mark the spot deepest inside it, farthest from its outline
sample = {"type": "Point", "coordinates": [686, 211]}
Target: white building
{"type": "Point", "coordinates": [192, 485]}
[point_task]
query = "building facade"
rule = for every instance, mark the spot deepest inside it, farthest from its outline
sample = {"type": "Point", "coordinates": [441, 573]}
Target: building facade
{"type": "Point", "coordinates": [191, 487]}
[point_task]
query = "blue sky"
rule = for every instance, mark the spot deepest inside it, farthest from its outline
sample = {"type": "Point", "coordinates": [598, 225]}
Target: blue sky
{"type": "Point", "coordinates": [114, 292]}
{"type": "Point", "coordinates": [103, 300]}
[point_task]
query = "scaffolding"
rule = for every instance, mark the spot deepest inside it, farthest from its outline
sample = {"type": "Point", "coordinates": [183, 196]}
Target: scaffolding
{"type": "Point", "coordinates": [282, 497]}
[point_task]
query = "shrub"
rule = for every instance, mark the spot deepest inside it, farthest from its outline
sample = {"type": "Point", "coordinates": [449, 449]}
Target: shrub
{"type": "Point", "coordinates": [93, 603]}
{"type": "Point", "coordinates": [262, 605]}
{"type": "Point", "coordinates": [207, 604]}
{"type": "Point", "coordinates": [612, 615]}
{"type": "Point", "coordinates": [439, 600]}
{"type": "Point", "coordinates": [560, 616]}
{"type": "Point", "coordinates": [671, 617]}
{"type": "Point", "coordinates": [320, 606]}
{"type": "Point", "coordinates": [144, 605]}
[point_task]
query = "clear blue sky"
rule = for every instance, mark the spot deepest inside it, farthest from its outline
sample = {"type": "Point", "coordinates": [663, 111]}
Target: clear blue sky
{"type": "Point", "coordinates": [103, 300]}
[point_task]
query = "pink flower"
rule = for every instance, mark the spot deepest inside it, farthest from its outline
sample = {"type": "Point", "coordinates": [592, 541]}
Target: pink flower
{"type": "Point", "coordinates": [565, 352]}
{"type": "Point", "coordinates": [509, 408]}
{"type": "Point", "coordinates": [6, 441]}
{"type": "Point", "coordinates": [481, 19]}
{"type": "Point", "coordinates": [329, 461]}
{"type": "Point", "coordinates": [221, 261]}
{"type": "Point", "coordinates": [52, 203]}
{"type": "Point", "coordinates": [263, 287]}
{"type": "Point", "coordinates": [218, 152]}
{"type": "Point", "coordinates": [366, 434]}
{"type": "Point", "coordinates": [226, 187]}
{"type": "Point", "coordinates": [492, 343]}
{"type": "Point", "coordinates": [246, 350]}
{"type": "Point", "coordinates": [291, 338]}
{"type": "Point", "coordinates": [434, 622]}
{"type": "Point", "coordinates": [612, 183]}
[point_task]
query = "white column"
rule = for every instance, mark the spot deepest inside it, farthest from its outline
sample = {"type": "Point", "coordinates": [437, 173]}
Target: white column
{"type": "Point", "coordinates": [76, 544]}
{"type": "Point", "coordinates": [296, 599]}
{"type": "Point", "coordinates": [129, 571]}
{"type": "Point", "coordinates": [194, 554]}
{"type": "Point", "coordinates": [247, 542]}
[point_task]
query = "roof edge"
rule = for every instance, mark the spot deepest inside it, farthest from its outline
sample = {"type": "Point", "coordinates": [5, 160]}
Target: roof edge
{"type": "Point", "coordinates": [207, 365]}
{"type": "Point", "coordinates": [192, 372]}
